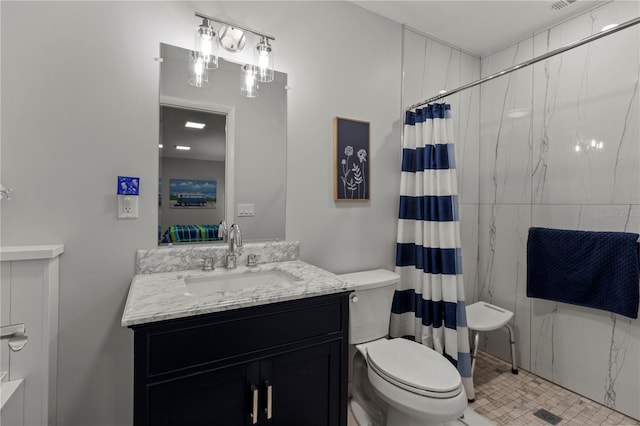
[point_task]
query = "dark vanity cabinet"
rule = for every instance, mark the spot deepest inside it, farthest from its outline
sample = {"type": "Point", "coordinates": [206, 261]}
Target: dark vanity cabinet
{"type": "Point", "coordinates": [279, 364]}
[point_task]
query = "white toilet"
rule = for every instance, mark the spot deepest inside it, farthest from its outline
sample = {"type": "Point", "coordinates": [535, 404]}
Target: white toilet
{"type": "Point", "coordinates": [395, 382]}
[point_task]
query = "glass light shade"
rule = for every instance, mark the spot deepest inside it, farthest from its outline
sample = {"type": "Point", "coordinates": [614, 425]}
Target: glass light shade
{"type": "Point", "coordinates": [198, 74]}
{"type": "Point", "coordinates": [249, 84]}
{"type": "Point", "coordinates": [264, 60]}
{"type": "Point", "coordinates": [207, 45]}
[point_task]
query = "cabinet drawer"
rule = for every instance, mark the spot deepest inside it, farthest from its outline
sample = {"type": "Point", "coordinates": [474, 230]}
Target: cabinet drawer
{"type": "Point", "coordinates": [181, 344]}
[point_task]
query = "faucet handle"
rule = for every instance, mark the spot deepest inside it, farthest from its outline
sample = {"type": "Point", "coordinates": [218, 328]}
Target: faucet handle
{"type": "Point", "coordinates": [207, 264]}
{"type": "Point", "coordinates": [252, 260]}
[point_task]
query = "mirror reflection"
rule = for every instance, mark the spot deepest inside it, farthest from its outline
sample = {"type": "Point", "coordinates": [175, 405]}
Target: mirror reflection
{"type": "Point", "coordinates": [192, 174]}
{"type": "Point", "coordinates": [233, 168]}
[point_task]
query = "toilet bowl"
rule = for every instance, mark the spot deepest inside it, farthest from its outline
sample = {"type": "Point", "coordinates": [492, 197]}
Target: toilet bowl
{"type": "Point", "coordinates": [406, 383]}
{"type": "Point", "coordinates": [420, 386]}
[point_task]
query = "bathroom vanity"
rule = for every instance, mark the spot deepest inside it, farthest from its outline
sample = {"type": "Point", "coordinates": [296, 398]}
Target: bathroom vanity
{"type": "Point", "coordinates": [274, 364]}
{"type": "Point", "coordinates": [273, 354]}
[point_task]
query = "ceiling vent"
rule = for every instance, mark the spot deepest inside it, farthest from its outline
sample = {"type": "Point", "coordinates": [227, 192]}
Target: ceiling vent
{"type": "Point", "coordinates": [561, 3]}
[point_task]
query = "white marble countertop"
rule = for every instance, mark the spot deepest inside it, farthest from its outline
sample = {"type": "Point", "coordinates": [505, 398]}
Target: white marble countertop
{"type": "Point", "coordinates": [164, 295]}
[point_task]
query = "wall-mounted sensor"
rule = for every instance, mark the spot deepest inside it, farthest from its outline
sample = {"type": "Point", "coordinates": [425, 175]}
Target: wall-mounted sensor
{"type": "Point", "coordinates": [128, 191]}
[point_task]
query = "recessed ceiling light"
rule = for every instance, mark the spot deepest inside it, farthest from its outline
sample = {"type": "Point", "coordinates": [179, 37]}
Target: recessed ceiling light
{"type": "Point", "coordinates": [159, 145]}
{"type": "Point", "coordinates": [194, 125]}
{"type": "Point", "coordinates": [182, 147]}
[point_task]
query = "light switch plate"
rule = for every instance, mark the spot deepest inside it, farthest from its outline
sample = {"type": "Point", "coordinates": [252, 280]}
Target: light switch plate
{"type": "Point", "coordinates": [246, 210]}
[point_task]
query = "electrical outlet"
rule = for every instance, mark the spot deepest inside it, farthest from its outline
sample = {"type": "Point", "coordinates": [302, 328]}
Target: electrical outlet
{"type": "Point", "coordinates": [246, 210]}
{"type": "Point", "coordinates": [128, 190]}
{"type": "Point", "coordinates": [127, 207]}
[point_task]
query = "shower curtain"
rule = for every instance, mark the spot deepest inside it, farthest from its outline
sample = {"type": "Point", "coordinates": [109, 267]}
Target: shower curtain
{"type": "Point", "coordinates": [429, 303]}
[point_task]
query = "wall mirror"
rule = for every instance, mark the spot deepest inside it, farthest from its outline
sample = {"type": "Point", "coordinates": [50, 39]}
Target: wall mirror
{"type": "Point", "coordinates": [235, 167]}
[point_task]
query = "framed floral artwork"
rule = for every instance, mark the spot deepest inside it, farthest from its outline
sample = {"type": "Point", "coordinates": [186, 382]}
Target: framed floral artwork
{"type": "Point", "coordinates": [351, 160]}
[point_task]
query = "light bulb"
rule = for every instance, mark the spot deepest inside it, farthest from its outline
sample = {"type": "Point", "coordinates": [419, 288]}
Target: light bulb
{"type": "Point", "coordinates": [206, 47]}
{"type": "Point", "coordinates": [263, 61]}
{"type": "Point", "coordinates": [249, 87]}
{"type": "Point", "coordinates": [577, 148]}
{"type": "Point", "coordinates": [199, 67]}
{"type": "Point", "coordinates": [263, 57]}
{"type": "Point", "coordinates": [198, 75]}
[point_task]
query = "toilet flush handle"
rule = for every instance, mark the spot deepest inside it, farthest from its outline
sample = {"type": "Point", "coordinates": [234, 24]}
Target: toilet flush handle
{"type": "Point", "coordinates": [353, 298]}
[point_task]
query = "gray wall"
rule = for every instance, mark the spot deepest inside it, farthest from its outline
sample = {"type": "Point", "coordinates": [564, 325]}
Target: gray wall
{"type": "Point", "coordinates": [80, 107]}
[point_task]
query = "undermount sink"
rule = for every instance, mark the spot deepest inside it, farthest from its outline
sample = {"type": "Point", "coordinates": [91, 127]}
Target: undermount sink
{"type": "Point", "coordinates": [238, 281]}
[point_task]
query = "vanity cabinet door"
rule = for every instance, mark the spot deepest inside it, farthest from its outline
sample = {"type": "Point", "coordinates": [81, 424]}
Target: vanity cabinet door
{"type": "Point", "coordinates": [306, 386]}
{"type": "Point", "coordinates": [221, 397]}
{"type": "Point", "coordinates": [209, 370]}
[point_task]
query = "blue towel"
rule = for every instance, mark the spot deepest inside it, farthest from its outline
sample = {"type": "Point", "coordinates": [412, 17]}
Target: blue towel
{"type": "Point", "coordinates": [598, 270]}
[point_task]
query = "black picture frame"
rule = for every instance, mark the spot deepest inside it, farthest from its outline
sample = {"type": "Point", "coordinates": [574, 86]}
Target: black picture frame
{"type": "Point", "coordinates": [351, 160]}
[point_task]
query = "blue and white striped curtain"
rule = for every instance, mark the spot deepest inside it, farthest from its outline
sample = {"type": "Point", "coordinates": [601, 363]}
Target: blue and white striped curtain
{"type": "Point", "coordinates": [429, 302]}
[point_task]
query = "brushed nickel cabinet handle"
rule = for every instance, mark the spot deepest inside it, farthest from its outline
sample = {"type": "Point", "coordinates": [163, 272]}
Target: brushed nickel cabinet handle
{"type": "Point", "coordinates": [254, 410]}
{"type": "Point", "coordinates": [269, 399]}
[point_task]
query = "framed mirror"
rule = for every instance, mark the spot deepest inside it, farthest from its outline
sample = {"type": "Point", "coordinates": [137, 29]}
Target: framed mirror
{"type": "Point", "coordinates": [234, 168]}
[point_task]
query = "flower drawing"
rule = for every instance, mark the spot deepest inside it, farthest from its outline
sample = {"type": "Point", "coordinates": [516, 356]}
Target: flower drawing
{"type": "Point", "coordinates": [355, 182]}
{"type": "Point", "coordinates": [362, 156]}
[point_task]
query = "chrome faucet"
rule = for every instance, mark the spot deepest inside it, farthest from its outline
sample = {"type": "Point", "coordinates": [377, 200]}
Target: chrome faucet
{"type": "Point", "coordinates": [235, 240]}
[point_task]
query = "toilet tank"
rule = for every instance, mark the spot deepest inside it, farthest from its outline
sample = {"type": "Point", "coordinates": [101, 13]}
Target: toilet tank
{"type": "Point", "coordinates": [370, 307]}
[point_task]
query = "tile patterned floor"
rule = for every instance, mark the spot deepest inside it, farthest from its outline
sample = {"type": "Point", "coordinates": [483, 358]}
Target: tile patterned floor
{"type": "Point", "coordinates": [508, 399]}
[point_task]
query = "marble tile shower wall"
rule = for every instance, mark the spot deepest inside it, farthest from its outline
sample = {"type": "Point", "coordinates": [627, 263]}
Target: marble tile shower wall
{"type": "Point", "coordinates": [429, 67]}
{"type": "Point", "coordinates": [571, 163]}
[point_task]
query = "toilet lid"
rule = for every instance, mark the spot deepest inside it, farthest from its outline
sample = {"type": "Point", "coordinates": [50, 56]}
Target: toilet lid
{"type": "Point", "coordinates": [415, 368]}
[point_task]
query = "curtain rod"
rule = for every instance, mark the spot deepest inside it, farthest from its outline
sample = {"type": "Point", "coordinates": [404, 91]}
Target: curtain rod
{"type": "Point", "coordinates": [231, 24]}
{"type": "Point", "coordinates": [544, 56]}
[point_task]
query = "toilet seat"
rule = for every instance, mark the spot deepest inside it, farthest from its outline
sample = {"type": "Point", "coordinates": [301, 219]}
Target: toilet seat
{"type": "Point", "coordinates": [415, 368]}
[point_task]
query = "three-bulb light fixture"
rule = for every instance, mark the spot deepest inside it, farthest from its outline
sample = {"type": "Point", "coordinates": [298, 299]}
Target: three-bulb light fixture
{"type": "Point", "coordinates": [232, 38]}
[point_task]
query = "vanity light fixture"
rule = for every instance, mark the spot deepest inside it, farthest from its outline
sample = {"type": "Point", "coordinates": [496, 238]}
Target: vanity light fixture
{"type": "Point", "coordinates": [232, 38]}
{"type": "Point", "coordinates": [264, 60]}
{"type": "Point", "coordinates": [198, 74]}
{"type": "Point", "coordinates": [206, 45]}
{"type": "Point", "coordinates": [194, 125]}
{"type": "Point", "coordinates": [182, 147]}
{"type": "Point", "coordinates": [249, 84]}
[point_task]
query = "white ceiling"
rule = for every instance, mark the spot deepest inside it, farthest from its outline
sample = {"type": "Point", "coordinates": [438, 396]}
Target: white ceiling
{"type": "Point", "coordinates": [476, 26]}
{"type": "Point", "coordinates": [206, 144]}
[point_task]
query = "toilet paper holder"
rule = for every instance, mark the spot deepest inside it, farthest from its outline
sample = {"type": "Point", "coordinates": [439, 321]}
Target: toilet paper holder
{"type": "Point", "coordinates": [15, 333]}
